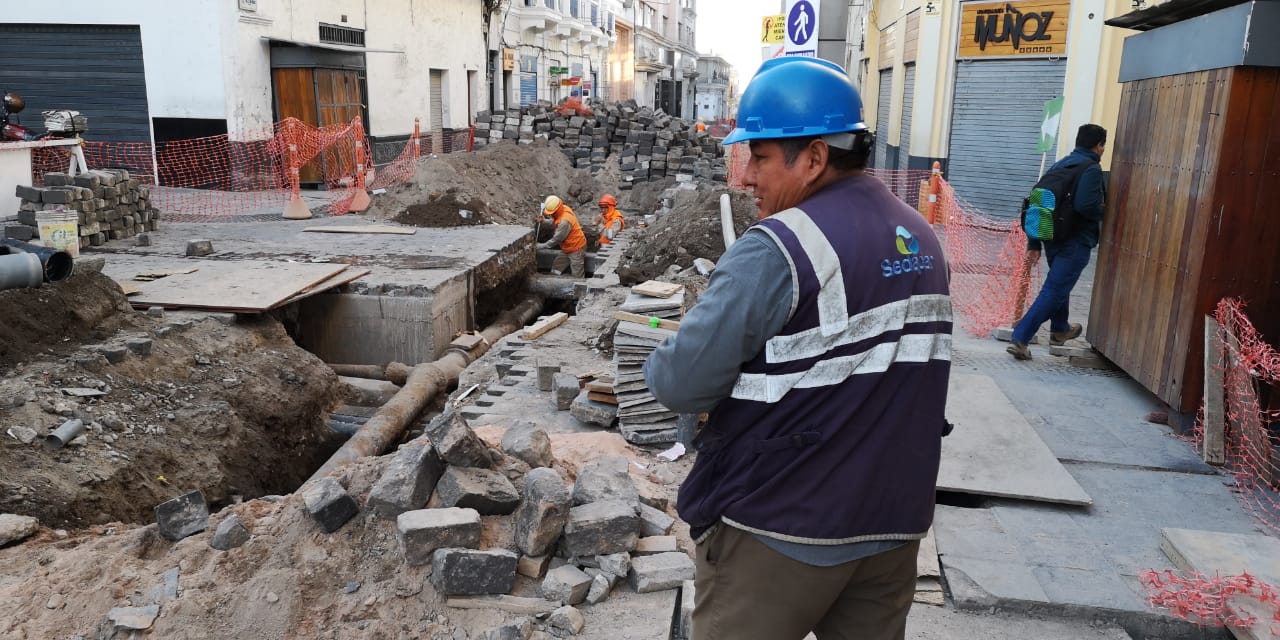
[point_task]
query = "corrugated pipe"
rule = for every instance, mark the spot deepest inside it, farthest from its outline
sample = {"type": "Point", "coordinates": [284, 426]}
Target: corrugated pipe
{"type": "Point", "coordinates": [57, 264]}
{"type": "Point", "coordinates": [20, 270]}
{"type": "Point", "coordinates": [425, 382]}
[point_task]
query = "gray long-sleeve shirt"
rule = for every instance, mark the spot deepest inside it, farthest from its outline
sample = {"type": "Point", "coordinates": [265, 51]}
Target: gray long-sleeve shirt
{"type": "Point", "coordinates": [562, 231]}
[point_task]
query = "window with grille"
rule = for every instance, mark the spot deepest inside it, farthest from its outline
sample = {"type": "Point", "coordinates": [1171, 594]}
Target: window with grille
{"type": "Point", "coordinates": [573, 8]}
{"type": "Point", "coordinates": [334, 34]}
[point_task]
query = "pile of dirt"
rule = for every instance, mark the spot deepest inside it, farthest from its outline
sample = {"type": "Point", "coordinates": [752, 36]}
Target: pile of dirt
{"type": "Point", "coordinates": [691, 230]}
{"type": "Point", "coordinates": [49, 318]}
{"type": "Point", "coordinates": [502, 183]}
{"type": "Point", "coordinates": [232, 410]}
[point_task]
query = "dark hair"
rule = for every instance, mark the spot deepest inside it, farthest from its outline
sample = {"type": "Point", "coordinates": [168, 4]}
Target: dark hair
{"type": "Point", "coordinates": [839, 159]}
{"type": "Point", "coordinates": [1090, 136]}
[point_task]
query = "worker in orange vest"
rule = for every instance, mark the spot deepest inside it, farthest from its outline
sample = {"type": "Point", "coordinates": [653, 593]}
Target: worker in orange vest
{"type": "Point", "coordinates": [568, 238]}
{"type": "Point", "coordinates": [610, 219]}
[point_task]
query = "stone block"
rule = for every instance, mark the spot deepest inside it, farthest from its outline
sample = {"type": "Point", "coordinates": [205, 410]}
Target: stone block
{"type": "Point", "coordinates": [15, 528]}
{"type": "Point", "coordinates": [182, 516]}
{"type": "Point", "coordinates": [528, 443]}
{"type": "Point", "coordinates": [19, 232]}
{"type": "Point", "coordinates": [601, 528]}
{"type": "Point", "coordinates": [198, 248]}
{"type": "Point", "coordinates": [566, 584]}
{"type": "Point", "coordinates": [30, 194]}
{"type": "Point", "coordinates": [566, 389]}
{"type": "Point", "coordinates": [57, 179]}
{"type": "Point", "coordinates": [600, 588]}
{"type": "Point", "coordinates": [568, 620]}
{"type": "Point", "coordinates": [606, 478]}
{"type": "Point", "coordinates": [682, 624]}
{"type": "Point", "coordinates": [545, 512]}
{"type": "Point", "coordinates": [656, 544]}
{"type": "Point", "coordinates": [522, 630]}
{"type": "Point", "coordinates": [87, 181]}
{"type": "Point", "coordinates": [329, 504]}
{"type": "Point", "coordinates": [456, 443]}
{"type": "Point", "coordinates": [408, 481]}
{"type": "Point", "coordinates": [654, 522]}
{"type": "Point", "coordinates": [533, 566]}
{"type": "Point", "coordinates": [130, 619]}
{"type": "Point", "coordinates": [466, 572]}
{"type": "Point", "coordinates": [139, 346]}
{"type": "Point", "coordinates": [231, 533]}
{"type": "Point", "coordinates": [59, 196]}
{"type": "Point", "coordinates": [614, 564]}
{"type": "Point", "coordinates": [488, 492]}
{"type": "Point", "coordinates": [423, 531]}
{"type": "Point", "coordinates": [592, 412]}
{"type": "Point", "coordinates": [660, 572]}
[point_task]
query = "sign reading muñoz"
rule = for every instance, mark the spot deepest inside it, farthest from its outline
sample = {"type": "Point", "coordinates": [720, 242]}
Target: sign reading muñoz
{"type": "Point", "coordinates": [1004, 29]}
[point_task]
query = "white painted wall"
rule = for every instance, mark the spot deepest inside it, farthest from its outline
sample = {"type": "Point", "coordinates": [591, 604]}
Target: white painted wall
{"type": "Point", "coordinates": [181, 46]}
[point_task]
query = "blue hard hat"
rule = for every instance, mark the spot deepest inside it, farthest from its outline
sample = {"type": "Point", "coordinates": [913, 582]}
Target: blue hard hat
{"type": "Point", "coordinates": [795, 97]}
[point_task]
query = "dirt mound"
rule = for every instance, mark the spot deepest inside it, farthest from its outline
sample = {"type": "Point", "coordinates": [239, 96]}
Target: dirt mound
{"type": "Point", "coordinates": [44, 318]}
{"type": "Point", "coordinates": [231, 410]}
{"type": "Point", "coordinates": [691, 230]}
{"type": "Point", "coordinates": [502, 183]}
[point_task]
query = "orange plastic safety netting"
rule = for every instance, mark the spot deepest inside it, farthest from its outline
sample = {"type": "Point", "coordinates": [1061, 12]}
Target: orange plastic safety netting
{"type": "Point", "coordinates": [216, 178]}
{"type": "Point", "coordinates": [1249, 370]}
{"type": "Point", "coordinates": [990, 276]}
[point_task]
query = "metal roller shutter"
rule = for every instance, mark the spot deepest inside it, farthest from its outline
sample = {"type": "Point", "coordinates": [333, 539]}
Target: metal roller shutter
{"type": "Point", "coordinates": [995, 126]}
{"type": "Point", "coordinates": [96, 70]}
{"type": "Point", "coordinates": [882, 119]}
{"type": "Point", "coordinates": [908, 94]}
{"type": "Point", "coordinates": [437, 100]}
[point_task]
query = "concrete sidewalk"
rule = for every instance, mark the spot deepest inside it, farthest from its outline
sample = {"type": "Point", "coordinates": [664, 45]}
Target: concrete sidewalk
{"type": "Point", "coordinates": [1082, 562]}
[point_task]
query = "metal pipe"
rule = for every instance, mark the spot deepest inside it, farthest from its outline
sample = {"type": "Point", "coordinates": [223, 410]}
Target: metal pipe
{"type": "Point", "coordinates": [424, 383]}
{"type": "Point", "coordinates": [394, 372]}
{"type": "Point", "coordinates": [20, 270]}
{"type": "Point", "coordinates": [57, 264]}
{"type": "Point", "coordinates": [70, 430]}
{"type": "Point", "coordinates": [726, 221]}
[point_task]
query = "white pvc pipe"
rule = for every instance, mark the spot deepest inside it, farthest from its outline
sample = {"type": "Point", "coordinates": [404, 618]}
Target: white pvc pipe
{"type": "Point", "coordinates": [20, 270]}
{"type": "Point", "coordinates": [726, 221]}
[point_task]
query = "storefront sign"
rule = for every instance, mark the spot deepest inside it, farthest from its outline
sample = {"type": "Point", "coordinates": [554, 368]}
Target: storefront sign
{"type": "Point", "coordinates": [508, 59]}
{"type": "Point", "coordinates": [1027, 28]}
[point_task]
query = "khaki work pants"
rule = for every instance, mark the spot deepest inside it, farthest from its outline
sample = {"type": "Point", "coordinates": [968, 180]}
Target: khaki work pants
{"type": "Point", "coordinates": [746, 591]}
{"type": "Point", "coordinates": [576, 261]}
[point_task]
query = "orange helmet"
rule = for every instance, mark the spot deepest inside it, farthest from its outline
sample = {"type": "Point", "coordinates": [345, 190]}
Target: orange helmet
{"type": "Point", "coordinates": [608, 199]}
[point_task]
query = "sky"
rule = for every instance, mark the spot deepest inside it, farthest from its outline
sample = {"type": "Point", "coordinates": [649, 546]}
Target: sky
{"type": "Point", "coordinates": [731, 29]}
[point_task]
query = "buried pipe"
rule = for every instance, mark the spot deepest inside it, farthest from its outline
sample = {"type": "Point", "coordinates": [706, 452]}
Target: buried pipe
{"type": "Point", "coordinates": [424, 383]}
{"type": "Point", "coordinates": [394, 372]}
{"type": "Point", "coordinates": [57, 264]}
{"type": "Point", "coordinates": [70, 430]}
{"type": "Point", "coordinates": [726, 221]}
{"type": "Point", "coordinates": [20, 270]}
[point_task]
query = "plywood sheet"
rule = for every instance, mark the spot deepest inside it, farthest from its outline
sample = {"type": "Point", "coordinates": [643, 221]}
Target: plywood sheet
{"type": "Point", "coordinates": [245, 286]}
{"type": "Point", "coordinates": [994, 451]}
{"type": "Point", "coordinates": [334, 281]}
{"type": "Point", "coordinates": [1226, 554]}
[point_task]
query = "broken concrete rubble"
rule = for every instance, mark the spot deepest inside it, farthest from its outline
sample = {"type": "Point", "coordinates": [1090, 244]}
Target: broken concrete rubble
{"type": "Point", "coordinates": [183, 516]}
{"type": "Point", "coordinates": [231, 533]}
{"type": "Point", "coordinates": [408, 481]}
{"type": "Point", "coordinates": [660, 571]}
{"type": "Point", "coordinates": [456, 443]}
{"type": "Point", "coordinates": [524, 440]}
{"type": "Point", "coordinates": [488, 492]}
{"type": "Point", "coordinates": [545, 512]}
{"type": "Point", "coordinates": [601, 528]}
{"type": "Point", "coordinates": [329, 503]}
{"type": "Point", "coordinates": [423, 531]}
{"type": "Point", "coordinates": [566, 584]}
{"type": "Point", "coordinates": [16, 528]}
{"type": "Point", "coordinates": [607, 478]}
{"type": "Point", "coordinates": [467, 572]}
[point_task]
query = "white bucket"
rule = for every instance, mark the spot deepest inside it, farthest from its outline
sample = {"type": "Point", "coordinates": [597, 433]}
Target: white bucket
{"type": "Point", "coordinates": [60, 230]}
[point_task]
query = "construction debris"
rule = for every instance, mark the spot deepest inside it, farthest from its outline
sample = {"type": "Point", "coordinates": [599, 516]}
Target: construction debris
{"type": "Point", "coordinates": [108, 205]}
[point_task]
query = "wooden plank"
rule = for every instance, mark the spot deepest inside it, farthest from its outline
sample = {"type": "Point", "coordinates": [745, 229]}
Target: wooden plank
{"type": "Point", "coordinates": [607, 398]}
{"type": "Point", "coordinates": [1225, 554]}
{"type": "Point", "coordinates": [1215, 426]}
{"type": "Point", "coordinates": [129, 288]}
{"type": "Point", "coordinates": [372, 228]}
{"type": "Point", "coordinates": [242, 286]}
{"type": "Point", "coordinates": [600, 387]}
{"type": "Point", "coordinates": [510, 604]}
{"type": "Point", "coordinates": [332, 282]}
{"type": "Point", "coordinates": [655, 289]}
{"type": "Point", "coordinates": [994, 451]}
{"type": "Point", "coordinates": [637, 318]}
{"type": "Point", "coordinates": [541, 327]}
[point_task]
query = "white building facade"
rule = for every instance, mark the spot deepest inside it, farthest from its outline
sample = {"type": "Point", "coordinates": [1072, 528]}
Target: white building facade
{"type": "Point", "coordinates": [549, 50]}
{"type": "Point", "coordinates": [714, 89]}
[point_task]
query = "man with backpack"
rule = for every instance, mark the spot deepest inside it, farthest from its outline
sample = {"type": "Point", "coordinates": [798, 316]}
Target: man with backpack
{"type": "Point", "coordinates": [1062, 216]}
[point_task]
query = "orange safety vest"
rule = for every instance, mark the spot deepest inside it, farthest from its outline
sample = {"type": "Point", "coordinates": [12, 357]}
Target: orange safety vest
{"type": "Point", "coordinates": [577, 240]}
{"type": "Point", "coordinates": [611, 216]}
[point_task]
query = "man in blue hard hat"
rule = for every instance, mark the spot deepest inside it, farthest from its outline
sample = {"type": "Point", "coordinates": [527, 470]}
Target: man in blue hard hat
{"type": "Point", "coordinates": [821, 349]}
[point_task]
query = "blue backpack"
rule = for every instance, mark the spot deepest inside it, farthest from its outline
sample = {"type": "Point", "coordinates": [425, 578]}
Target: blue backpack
{"type": "Point", "coordinates": [1048, 212]}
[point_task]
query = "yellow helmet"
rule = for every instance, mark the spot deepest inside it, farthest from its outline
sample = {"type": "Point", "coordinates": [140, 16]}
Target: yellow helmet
{"type": "Point", "coordinates": [552, 203]}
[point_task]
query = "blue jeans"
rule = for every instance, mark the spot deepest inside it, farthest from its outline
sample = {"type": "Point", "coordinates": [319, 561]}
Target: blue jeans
{"type": "Point", "coordinates": [1067, 261]}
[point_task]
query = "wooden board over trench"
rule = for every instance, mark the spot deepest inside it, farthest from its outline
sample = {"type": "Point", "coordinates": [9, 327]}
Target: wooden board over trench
{"type": "Point", "coordinates": [1229, 554]}
{"type": "Point", "coordinates": [994, 451]}
{"type": "Point", "coordinates": [234, 285]}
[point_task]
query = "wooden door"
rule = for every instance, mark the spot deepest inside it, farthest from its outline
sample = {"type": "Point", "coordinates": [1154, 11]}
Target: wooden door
{"type": "Point", "coordinates": [296, 98]}
{"type": "Point", "coordinates": [338, 95]}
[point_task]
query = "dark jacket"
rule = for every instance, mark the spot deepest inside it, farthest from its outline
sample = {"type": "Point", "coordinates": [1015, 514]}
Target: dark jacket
{"type": "Point", "coordinates": [1090, 200]}
{"type": "Point", "coordinates": [832, 432]}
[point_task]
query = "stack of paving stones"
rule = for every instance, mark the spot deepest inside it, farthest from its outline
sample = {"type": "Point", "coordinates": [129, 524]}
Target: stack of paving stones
{"type": "Point", "coordinates": [573, 543]}
{"type": "Point", "coordinates": [641, 418]}
{"type": "Point", "coordinates": [650, 145]}
{"type": "Point", "coordinates": [111, 206]}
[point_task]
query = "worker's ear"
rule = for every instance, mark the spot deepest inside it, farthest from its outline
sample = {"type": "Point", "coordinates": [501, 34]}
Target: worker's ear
{"type": "Point", "coordinates": [816, 156]}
